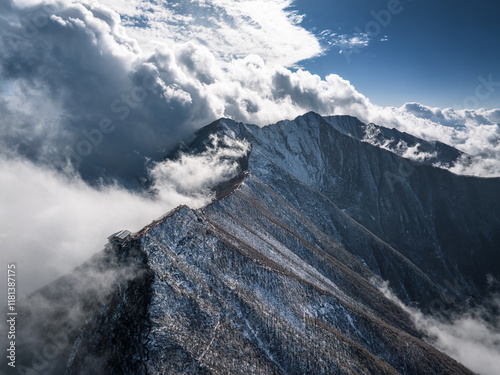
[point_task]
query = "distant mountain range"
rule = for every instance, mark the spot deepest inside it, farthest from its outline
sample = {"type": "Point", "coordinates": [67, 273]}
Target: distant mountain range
{"type": "Point", "coordinates": [280, 274]}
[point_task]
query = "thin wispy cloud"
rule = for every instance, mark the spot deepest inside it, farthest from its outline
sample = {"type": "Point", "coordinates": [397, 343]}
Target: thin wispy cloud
{"type": "Point", "coordinates": [344, 43]}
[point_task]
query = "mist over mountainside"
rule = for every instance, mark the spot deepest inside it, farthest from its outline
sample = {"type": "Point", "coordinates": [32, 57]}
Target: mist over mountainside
{"type": "Point", "coordinates": [284, 271]}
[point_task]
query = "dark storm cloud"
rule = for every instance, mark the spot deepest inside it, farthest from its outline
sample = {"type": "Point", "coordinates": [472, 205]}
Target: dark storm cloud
{"type": "Point", "coordinates": [104, 107]}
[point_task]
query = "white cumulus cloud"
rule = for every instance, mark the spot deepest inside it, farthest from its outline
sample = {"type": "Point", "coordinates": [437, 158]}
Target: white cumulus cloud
{"type": "Point", "coordinates": [229, 28]}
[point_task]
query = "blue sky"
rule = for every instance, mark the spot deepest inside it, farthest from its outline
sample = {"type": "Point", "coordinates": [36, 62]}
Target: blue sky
{"type": "Point", "coordinates": [435, 51]}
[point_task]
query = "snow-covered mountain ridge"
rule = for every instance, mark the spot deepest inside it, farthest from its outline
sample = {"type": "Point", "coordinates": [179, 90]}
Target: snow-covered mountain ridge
{"type": "Point", "coordinates": [279, 274]}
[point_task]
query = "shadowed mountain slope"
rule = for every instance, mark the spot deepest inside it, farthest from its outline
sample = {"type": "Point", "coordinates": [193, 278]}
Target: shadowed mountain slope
{"type": "Point", "coordinates": [279, 274]}
{"type": "Point", "coordinates": [446, 225]}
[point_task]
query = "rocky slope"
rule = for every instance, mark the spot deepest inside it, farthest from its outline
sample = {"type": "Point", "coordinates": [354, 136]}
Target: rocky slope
{"type": "Point", "coordinates": [446, 225]}
{"type": "Point", "coordinates": [279, 274]}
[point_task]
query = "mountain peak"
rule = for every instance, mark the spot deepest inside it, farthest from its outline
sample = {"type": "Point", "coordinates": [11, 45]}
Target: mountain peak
{"type": "Point", "coordinates": [280, 273]}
